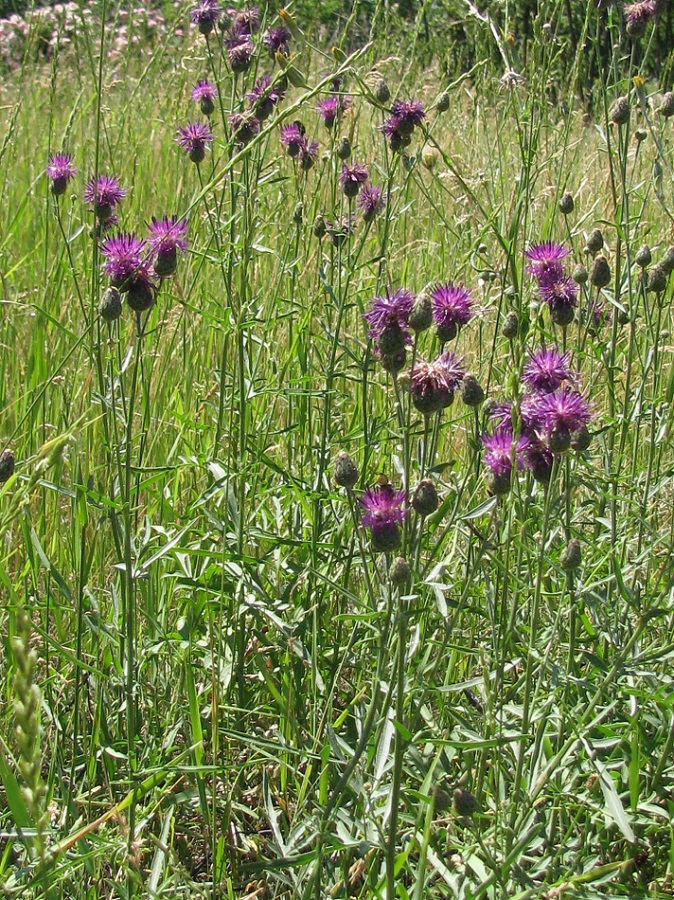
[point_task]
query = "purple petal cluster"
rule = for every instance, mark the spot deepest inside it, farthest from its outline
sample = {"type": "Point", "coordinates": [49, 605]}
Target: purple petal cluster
{"type": "Point", "coordinates": [240, 50]}
{"type": "Point", "coordinates": [103, 194]}
{"type": "Point", "coordinates": [246, 21]}
{"type": "Point", "coordinates": [384, 511]}
{"type": "Point", "coordinates": [546, 370]}
{"type": "Point", "coordinates": [277, 40]}
{"type": "Point", "coordinates": [557, 416]}
{"type": "Point", "coordinates": [123, 256]}
{"type": "Point", "coordinates": [556, 287]}
{"type": "Point", "coordinates": [405, 116]}
{"type": "Point", "coordinates": [371, 201]}
{"type": "Point", "coordinates": [352, 178]}
{"type": "Point", "coordinates": [433, 384]}
{"type": "Point", "coordinates": [392, 309]}
{"type": "Point", "coordinates": [264, 98]}
{"type": "Point", "coordinates": [244, 127]}
{"type": "Point", "coordinates": [639, 14]}
{"type": "Point", "coordinates": [452, 310]}
{"type": "Point", "coordinates": [332, 108]}
{"type": "Point", "coordinates": [205, 15]}
{"type": "Point", "coordinates": [205, 94]}
{"type": "Point", "coordinates": [60, 171]}
{"type": "Point", "coordinates": [193, 139]}
{"type": "Point", "coordinates": [167, 236]}
{"type": "Point", "coordinates": [293, 138]}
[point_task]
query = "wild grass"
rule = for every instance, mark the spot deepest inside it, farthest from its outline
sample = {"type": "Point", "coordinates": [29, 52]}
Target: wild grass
{"type": "Point", "coordinates": [238, 695]}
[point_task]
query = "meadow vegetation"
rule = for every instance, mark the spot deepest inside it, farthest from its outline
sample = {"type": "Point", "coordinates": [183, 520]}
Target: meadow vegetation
{"type": "Point", "coordinates": [336, 483]}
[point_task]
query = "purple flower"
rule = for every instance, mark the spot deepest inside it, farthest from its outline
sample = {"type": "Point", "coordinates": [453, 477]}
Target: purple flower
{"type": "Point", "coordinates": [243, 127]}
{"type": "Point", "coordinates": [405, 116]}
{"type": "Point", "coordinates": [384, 512]}
{"type": "Point", "coordinates": [332, 108]}
{"type": "Point", "coordinates": [60, 170]}
{"type": "Point", "coordinates": [545, 259]}
{"type": "Point", "coordinates": [240, 50]}
{"type": "Point", "coordinates": [500, 450]}
{"type": "Point", "coordinates": [539, 459]}
{"type": "Point", "coordinates": [501, 415]}
{"type": "Point", "coordinates": [167, 236]}
{"type": "Point", "coordinates": [308, 154]}
{"type": "Point", "coordinates": [639, 14]}
{"type": "Point", "coordinates": [432, 385]}
{"type": "Point", "coordinates": [292, 138]}
{"type": "Point", "coordinates": [277, 40]}
{"type": "Point", "coordinates": [393, 309]}
{"type": "Point", "coordinates": [546, 370]}
{"type": "Point", "coordinates": [205, 15]}
{"type": "Point", "coordinates": [193, 139]}
{"type": "Point", "coordinates": [560, 292]}
{"type": "Point", "coordinates": [559, 415]}
{"type": "Point", "coordinates": [124, 255]}
{"type": "Point", "coordinates": [246, 22]}
{"type": "Point", "coordinates": [451, 310]}
{"type": "Point", "coordinates": [264, 98]}
{"type": "Point", "coordinates": [104, 193]}
{"type": "Point", "coordinates": [352, 178]}
{"type": "Point", "coordinates": [371, 201]}
{"type": "Point", "coordinates": [204, 93]}
{"type": "Point", "coordinates": [339, 229]}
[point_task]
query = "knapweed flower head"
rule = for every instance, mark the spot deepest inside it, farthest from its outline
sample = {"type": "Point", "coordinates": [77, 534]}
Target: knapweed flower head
{"type": "Point", "coordinates": [392, 309]}
{"type": "Point", "coordinates": [371, 201]}
{"type": "Point", "coordinates": [539, 459]}
{"type": "Point", "coordinates": [433, 384]}
{"type": "Point", "coordinates": [240, 50]}
{"type": "Point", "coordinates": [205, 15]}
{"type": "Point", "coordinates": [244, 127]}
{"type": "Point", "coordinates": [501, 451]}
{"type": "Point", "coordinates": [205, 94]}
{"type": "Point", "coordinates": [264, 98]}
{"type": "Point", "coordinates": [545, 259]}
{"type": "Point", "coordinates": [246, 21]}
{"type": "Point", "coordinates": [352, 178]}
{"type": "Point", "coordinates": [405, 116]}
{"type": "Point", "coordinates": [638, 15]}
{"type": "Point", "coordinates": [277, 40]}
{"type": "Point", "coordinates": [60, 171]}
{"type": "Point", "coordinates": [546, 370]}
{"type": "Point", "coordinates": [193, 139]}
{"type": "Point", "coordinates": [332, 108]}
{"type": "Point", "coordinates": [141, 289]}
{"type": "Point", "coordinates": [123, 256]}
{"type": "Point", "coordinates": [559, 415]}
{"type": "Point", "coordinates": [384, 511]}
{"type": "Point", "coordinates": [451, 310]}
{"type": "Point", "coordinates": [560, 293]}
{"type": "Point", "coordinates": [339, 229]}
{"type": "Point", "coordinates": [293, 138]}
{"type": "Point", "coordinates": [308, 155]}
{"type": "Point", "coordinates": [104, 193]}
{"type": "Point", "coordinates": [167, 237]}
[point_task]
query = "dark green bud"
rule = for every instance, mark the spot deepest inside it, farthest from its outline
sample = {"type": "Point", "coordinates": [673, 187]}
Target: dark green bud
{"type": "Point", "coordinates": [581, 439]}
{"type": "Point", "coordinates": [465, 803]}
{"type": "Point", "coordinates": [498, 484]}
{"type": "Point", "coordinates": [560, 440]}
{"type": "Point", "coordinates": [391, 340]}
{"type": "Point", "coordinates": [319, 226]}
{"type": "Point", "coordinates": [643, 256]}
{"type": "Point", "coordinates": [442, 103]}
{"type": "Point", "coordinates": [400, 572]}
{"type": "Point", "coordinates": [579, 274]}
{"type": "Point", "coordinates": [666, 108]}
{"type": "Point", "coordinates": [421, 316]}
{"type": "Point", "coordinates": [595, 241]}
{"type": "Point", "coordinates": [381, 91]}
{"type": "Point", "coordinates": [640, 135]}
{"type": "Point", "coordinates": [600, 273]}
{"type": "Point", "coordinates": [562, 315]}
{"type": "Point", "coordinates": [619, 112]}
{"type": "Point", "coordinates": [298, 214]}
{"type": "Point", "coordinates": [566, 204]}
{"type": "Point", "coordinates": [394, 362]}
{"type": "Point", "coordinates": [667, 261]}
{"type": "Point", "coordinates": [657, 279]}
{"type": "Point", "coordinates": [110, 307]}
{"type": "Point", "coordinates": [511, 326]}
{"type": "Point", "coordinates": [472, 393]}
{"type": "Point", "coordinates": [571, 558]}
{"type": "Point", "coordinates": [345, 471]}
{"type": "Point", "coordinates": [344, 148]}
{"type": "Point", "coordinates": [425, 500]}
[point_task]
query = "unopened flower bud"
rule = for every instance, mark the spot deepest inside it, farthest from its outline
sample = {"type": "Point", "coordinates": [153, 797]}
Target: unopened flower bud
{"type": "Point", "coordinates": [442, 103]}
{"type": "Point", "coordinates": [581, 439]}
{"type": "Point", "coordinates": [344, 148]}
{"type": "Point", "coordinates": [580, 274]}
{"type": "Point", "coordinates": [510, 327]}
{"type": "Point", "coordinates": [110, 307]}
{"type": "Point", "coordinates": [571, 557]}
{"type": "Point", "coordinates": [566, 204]}
{"type": "Point", "coordinates": [595, 241]}
{"type": "Point", "coordinates": [472, 393]}
{"type": "Point", "coordinates": [425, 500]}
{"type": "Point", "coordinates": [319, 226]}
{"type": "Point", "coordinates": [6, 465]}
{"type": "Point", "coordinates": [298, 213]}
{"type": "Point", "coordinates": [394, 362]}
{"type": "Point", "coordinates": [465, 803]}
{"type": "Point", "coordinates": [619, 112]}
{"type": "Point", "coordinates": [666, 107]}
{"type": "Point", "coordinates": [643, 256]}
{"type": "Point", "coordinates": [600, 273]}
{"type": "Point", "coordinates": [657, 279]}
{"type": "Point", "coordinates": [381, 91]}
{"type": "Point", "coordinates": [667, 261]}
{"type": "Point", "coordinates": [400, 572]}
{"type": "Point", "coordinates": [345, 471]}
{"type": "Point", "coordinates": [421, 315]}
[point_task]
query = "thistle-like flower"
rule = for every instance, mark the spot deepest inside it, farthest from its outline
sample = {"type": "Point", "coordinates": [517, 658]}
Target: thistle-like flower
{"type": "Point", "coordinates": [451, 310]}
{"type": "Point", "coordinates": [123, 255]}
{"type": "Point", "coordinates": [205, 94]}
{"type": "Point", "coordinates": [193, 139]}
{"type": "Point", "coordinates": [559, 415]}
{"type": "Point", "coordinates": [384, 512]}
{"type": "Point", "coordinates": [264, 98]}
{"type": "Point", "coordinates": [546, 370]}
{"type": "Point", "coordinates": [501, 451]}
{"type": "Point", "coordinates": [352, 178]}
{"type": "Point", "coordinates": [167, 237]}
{"type": "Point", "coordinates": [60, 171]}
{"type": "Point", "coordinates": [332, 108]}
{"type": "Point", "coordinates": [244, 127]}
{"type": "Point", "coordinates": [293, 138]}
{"type": "Point", "coordinates": [392, 309]}
{"type": "Point", "coordinates": [545, 260]}
{"type": "Point", "coordinates": [433, 384]}
{"type": "Point", "coordinates": [205, 15]}
{"type": "Point", "coordinates": [371, 201]}
{"type": "Point", "coordinates": [240, 50]}
{"type": "Point", "coordinates": [104, 193]}
{"type": "Point", "coordinates": [277, 40]}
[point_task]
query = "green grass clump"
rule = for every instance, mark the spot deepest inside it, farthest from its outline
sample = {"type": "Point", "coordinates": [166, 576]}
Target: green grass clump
{"type": "Point", "coordinates": [218, 681]}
